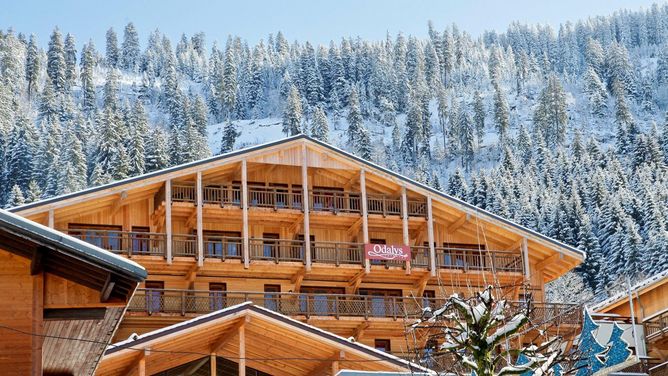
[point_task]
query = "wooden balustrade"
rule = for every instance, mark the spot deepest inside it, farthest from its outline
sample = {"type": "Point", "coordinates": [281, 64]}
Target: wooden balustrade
{"type": "Point", "coordinates": [288, 250]}
{"type": "Point", "coordinates": [123, 242]}
{"type": "Point", "coordinates": [184, 302]}
{"type": "Point", "coordinates": [282, 198]}
{"type": "Point", "coordinates": [656, 326]}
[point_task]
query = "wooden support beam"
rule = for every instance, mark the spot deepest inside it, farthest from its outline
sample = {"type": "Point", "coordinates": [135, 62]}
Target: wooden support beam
{"type": "Point", "coordinates": [229, 335]}
{"type": "Point", "coordinates": [37, 323]}
{"type": "Point", "coordinates": [108, 287]}
{"type": "Point", "coordinates": [328, 366]}
{"type": "Point", "coordinates": [404, 224]}
{"type": "Point", "coordinates": [365, 216]}
{"type": "Point", "coordinates": [37, 261]}
{"type": "Point", "coordinates": [525, 258]}
{"type": "Point", "coordinates": [355, 227]}
{"type": "Point", "coordinates": [297, 279]}
{"type": "Point", "coordinates": [296, 225]}
{"type": "Point", "coordinates": [461, 221]}
{"type": "Point", "coordinates": [141, 365]}
{"type": "Point", "coordinates": [305, 204]}
{"type": "Point", "coordinates": [359, 330]}
{"type": "Point", "coordinates": [355, 282]}
{"type": "Point", "coordinates": [242, 349]}
{"type": "Point", "coordinates": [244, 213]}
{"type": "Point", "coordinates": [541, 265]}
{"type": "Point", "coordinates": [516, 245]}
{"type": "Point", "coordinates": [200, 230]}
{"type": "Point", "coordinates": [195, 367]}
{"type": "Point", "coordinates": [430, 236]}
{"type": "Point", "coordinates": [51, 219]}
{"type": "Point", "coordinates": [119, 202]}
{"type": "Point", "coordinates": [421, 284]}
{"type": "Point", "coordinates": [168, 219]}
{"type": "Point", "coordinates": [212, 365]}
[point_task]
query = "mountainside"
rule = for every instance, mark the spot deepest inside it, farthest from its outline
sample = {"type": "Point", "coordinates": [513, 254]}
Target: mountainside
{"type": "Point", "coordinates": [565, 131]}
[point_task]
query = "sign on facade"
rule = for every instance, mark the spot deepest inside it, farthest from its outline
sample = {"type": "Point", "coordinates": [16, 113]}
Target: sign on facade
{"type": "Point", "coordinates": [387, 252]}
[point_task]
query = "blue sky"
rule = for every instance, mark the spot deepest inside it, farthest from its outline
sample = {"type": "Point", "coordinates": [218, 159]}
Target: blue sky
{"type": "Point", "coordinates": [315, 20]}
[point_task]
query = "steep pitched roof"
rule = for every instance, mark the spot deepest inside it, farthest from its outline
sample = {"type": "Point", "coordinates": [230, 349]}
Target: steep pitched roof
{"type": "Point", "coordinates": [160, 338]}
{"type": "Point", "coordinates": [73, 247]}
{"type": "Point", "coordinates": [476, 210]}
{"type": "Point", "coordinates": [640, 288]}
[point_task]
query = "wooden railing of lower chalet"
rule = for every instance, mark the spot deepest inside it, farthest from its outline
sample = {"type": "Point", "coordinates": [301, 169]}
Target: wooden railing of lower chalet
{"type": "Point", "coordinates": [184, 302]}
{"type": "Point", "coordinates": [285, 250]}
{"type": "Point", "coordinates": [282, 198]}
{"type": "Point", "coordinates": [656, 326]}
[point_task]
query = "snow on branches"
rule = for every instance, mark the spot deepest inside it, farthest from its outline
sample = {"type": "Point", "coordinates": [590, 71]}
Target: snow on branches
{"type": "Point", "coordinates": [478, 333]}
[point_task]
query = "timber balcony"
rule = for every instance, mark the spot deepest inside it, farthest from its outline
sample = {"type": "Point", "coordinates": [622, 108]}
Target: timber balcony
{"type": "Point", "coordinates": [284, 250]}
{"type": "Point", "coordinates": [320, 200]}
{"type": "Point", "coordinates": [656, 327]}
{"type": "Point", "coordinates": [194, 302]}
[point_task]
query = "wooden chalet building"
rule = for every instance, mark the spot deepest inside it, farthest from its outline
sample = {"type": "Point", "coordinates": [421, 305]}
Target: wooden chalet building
{"type": "Point", "coordinates": [62, 299]}
{"type": "Point", "coordinates": [305, 229]}
{"type": "Point", "coordinates": [650, 306]}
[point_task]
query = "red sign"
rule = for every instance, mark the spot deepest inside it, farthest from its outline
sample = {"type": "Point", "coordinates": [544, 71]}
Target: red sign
{"type": "Point", "coordinates": [390, 252]}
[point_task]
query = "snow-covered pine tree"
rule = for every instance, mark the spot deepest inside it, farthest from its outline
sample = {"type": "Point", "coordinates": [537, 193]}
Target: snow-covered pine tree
{"type": "Point", "coordinates": [501, 112]}
{"type": "Point", "coordinates": [136, 143]}
{"type": "Point", "coordinates": [292, 114]}
{"type": "Point", "coordinates": [88, 102]}
{"type": "Point", "coordinates": [112, 52]}
{"type": "Point", "coordinates": [319, 125]}
{"type": "Point", "coordinates": [130, 54]}
{"type": "Point", "coordinates": [479, 116]}
{"type": "Point", "coordinates": [55, 63]}
{"type": "Point", "coordinates": [33, 66]}
{"type": "Point", "coordinates": [15, 197]}
{"type": "Point", "coordinates": [157, 156]}
{"type": "Point", "coordinates": [230, 135]}
{"type": "Point", "coordinates": [550, 115]}
{"type": "Point", "coordinates": [70, 53]}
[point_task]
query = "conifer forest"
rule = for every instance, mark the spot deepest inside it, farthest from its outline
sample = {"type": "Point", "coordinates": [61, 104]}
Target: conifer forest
{"type": "Point", "coordinates": [562, 130]}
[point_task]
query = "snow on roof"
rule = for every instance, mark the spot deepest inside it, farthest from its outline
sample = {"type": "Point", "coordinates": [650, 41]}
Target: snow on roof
{"type": "Point", "coordinates": [444, 195]}
{"type": "Point", "coordinates": [267, 312]}
{"type": "Point", "coordinates": [622, 295]}
{"type": "Point", "coordinates": [90, 252]}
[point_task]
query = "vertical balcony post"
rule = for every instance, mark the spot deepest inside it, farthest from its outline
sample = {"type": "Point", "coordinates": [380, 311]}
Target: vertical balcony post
{"type": "Point", "coordinates": [365, 216]}
{"type": "Point", "coordinates": [430, 236]}
{"type": "Point", "coordinates": [200, 231]}
{"type": "Point", "coordinates": [305, 205]}
{"type": "Point", "coordinates": [524, 247]}
{"type": "Point", "coordinates": [244, 212]}
{"type": "Point", "coordinates": [51, 220]}
{"type": "Point", "coordinates": [404, 224]}
{"type": "Point", "coordinates": [168, 219]}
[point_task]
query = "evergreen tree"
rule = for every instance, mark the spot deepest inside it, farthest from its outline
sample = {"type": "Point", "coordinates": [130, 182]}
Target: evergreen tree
{"type": "Point", "coordinates": [56, 65]}
{"type": "Point", "coordinates": [230, 135]}
{"type": "Point", "coordinates": [20, 156]}
{"type": "Point", "coordinates": [479, 115]}
{"type": "Point", "coordinates": [33, 66]}
{"type": "Point", "coordinates": [130, 49]}
{"type": "Point", "coordinates": [136, 143]}
{"type": "Point", "coordinates": [229, 85]}
{"type": "Point", "coordinates": [113, 54]}
{"type": "Point", "coordinates": [157, 157]}
{"type": "Point", "coordinates": [292, 114]}
{"type": "Point", "coordinates": [70, 53]}
{"type": "Point", "coordinates": [501, 113]}
{"type": "Point", "coordinates": [319, 125]}
{"type": "Point", "coordinates": [15, 197]}
{"type": "Point", "coordinates": [89, 102]}
{"type": "Point", "coordinates": [550, 115]}
{"type": "Point", "coordinates": [34, 192]}
{"type": "Point", "coordinates": [596, 92]}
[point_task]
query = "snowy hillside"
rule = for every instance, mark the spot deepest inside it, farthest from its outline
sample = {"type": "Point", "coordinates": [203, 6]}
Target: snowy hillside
{"type": "Point", "coordinates": [563, 131]}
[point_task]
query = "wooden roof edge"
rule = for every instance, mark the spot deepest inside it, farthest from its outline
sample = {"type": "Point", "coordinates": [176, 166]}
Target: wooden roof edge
{"type": "Point", "coordinates": [640, 288]}
{"type": "Point", "coordinates": [242, 309]}
{"type": "Point", "coordinates": [427, 190]}
{"type": "Point", "coordinates": [71, 246]}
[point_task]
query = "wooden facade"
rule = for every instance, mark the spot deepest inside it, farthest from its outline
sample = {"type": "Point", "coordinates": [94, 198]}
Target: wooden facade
{"type": "Point", "coordinates": [284, 225]}
{"type": "Point", "coordinates": [650, 307]}
{"type": "Point", "coordinates": [62, 300]}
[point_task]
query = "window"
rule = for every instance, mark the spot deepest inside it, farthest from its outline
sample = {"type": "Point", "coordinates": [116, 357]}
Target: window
{"type": "Point", "coordinates": [107, 237]}
{"type": "Point", "coordinates": [218, 242]}
{"type": "Point", "coordinates": [154, 292]}
{"type": "Point", "coordinates": [320, 300]}
{"type": "Point", "coordinates": [382, 345]}
{"type": "Point", "coordinates": [141, 239]}
{"type": "Point", "coordinates": [217, 295]}
{"type": "Point", "coordinates": [272, 296]}
{"type": "Point", "coordinates": [280, 199]}
{"type": "Point", "coordinates": [381, 302]}
{"type": "Point", "coordinates": [270, 245]}
{"type": "Point", "coordinates": [327, 198]}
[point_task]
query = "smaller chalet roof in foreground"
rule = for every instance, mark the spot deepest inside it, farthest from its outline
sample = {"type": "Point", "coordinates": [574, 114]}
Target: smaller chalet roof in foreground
{"type": "Point", "coordinates": [72, 247]}
{"type": "Point", "coordinates": [273, 341]}
{"type": "Point", "coordinates": [638, 288]}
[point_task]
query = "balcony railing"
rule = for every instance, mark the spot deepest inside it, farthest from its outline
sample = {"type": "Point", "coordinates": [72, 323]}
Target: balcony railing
{"type": "Point", "coordinates": [281, 198]}
{"type": "Point", "coordinates": [182, 302]}
{"type": "Point", "coordinates": [656, 326]}
{"type": "Point", "coordinates": [287, 250]}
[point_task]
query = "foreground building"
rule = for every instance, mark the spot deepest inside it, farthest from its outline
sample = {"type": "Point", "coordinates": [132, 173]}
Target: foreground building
{"type": "Point", "coordinates": [62, 299]}
{"type": "Point", "coordinates": [650, 306]}
{"type": "Point", "coordinates": [249, 340]}
{"type": "Point", "coordinates": [305, 229]}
